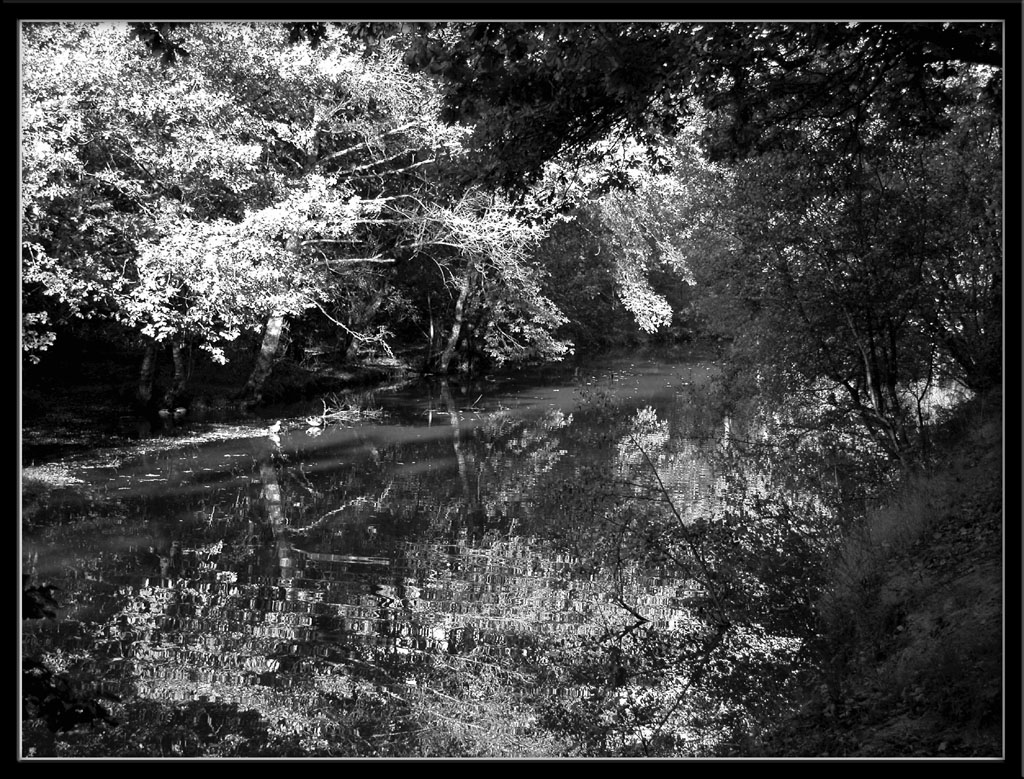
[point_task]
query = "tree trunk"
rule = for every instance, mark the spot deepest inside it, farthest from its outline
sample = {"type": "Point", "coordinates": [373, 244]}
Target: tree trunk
{"type": "Point", "coordinates": [272, 347]}
{"type": "Point", "coordinates": [180, 380]}
{"type": "Point", "coordinates": [346, 343]}
{"type": "Point", "coordinates": [429, 363]}
{"type": "Point", "coordinates": [147, 373]}
{"type": "Point", "coordinates": [453, 338]}
{"type": "Point", "coordinates": [270, 351]}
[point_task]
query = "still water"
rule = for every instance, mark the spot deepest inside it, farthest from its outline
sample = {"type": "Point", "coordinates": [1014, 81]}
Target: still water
{"type": "Point", "coordinates": [445, 554]}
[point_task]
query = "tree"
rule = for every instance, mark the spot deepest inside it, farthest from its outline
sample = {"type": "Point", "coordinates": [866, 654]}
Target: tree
{"type": "Point", "coordinates": [117, 154]}
{"type": "Point", "coordinates": [657, 223]}
{"type": "Point", "coordinates": [532, 91]}
{"type": "Point", "coordinates": [783, 104]}
{"type": "Point", "coordinates": [496, 282]}
{"type": "Point", "coordinates": [326, 182]}
{"type": "Point", "coordinates": [844, 264]}
{"type": "Point", "coordinates": [627, 250]}
{"type": "Point", "coordinates": [243, 183]}
{"type": "Point", "coordinates": [843, 139]}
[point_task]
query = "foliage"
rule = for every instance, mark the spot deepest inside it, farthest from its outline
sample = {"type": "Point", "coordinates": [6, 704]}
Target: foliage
{"type": "Point", "coordinates": [762, 561]}
{"type": "Point", "coordinates": [752, 560]}
{"type": "Point", "coordinates": [535, 90]}
{"type": "Point", "coordinates": [486, 260]}
{"type": "Point", "coordinates": [581, 282]}
{"type": "Point", "coordinates": [849, 141]}
{"type": "Point", "coordinates": [654, 227]}
{"type": "Point", "coordinates": [842, 262]}
{"type": "Point", "coordinates": [245, 128]}
{"type": "Point", "coordinates": [257, 178]}
{"type": "Point", "coordinates": [101, 162]}
{"type": "Point", "coordinates": [629, 250]}
{"type": "Point", "coordinates": [830, 194]}
{"type": "Point", "coordinates": [907, 649]}
{"type": "Point", "coordinates": [53, 701]}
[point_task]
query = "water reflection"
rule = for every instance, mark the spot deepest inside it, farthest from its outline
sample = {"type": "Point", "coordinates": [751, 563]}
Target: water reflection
{"type": "Point", "coordinates": [464, 532]}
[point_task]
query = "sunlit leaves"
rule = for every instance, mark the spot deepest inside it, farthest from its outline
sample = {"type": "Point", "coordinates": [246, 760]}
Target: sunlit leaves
{"type": "Point", "coordinates": [110, 139]}
{"type": "Point", "coordinates": [667, 215]}
{"type": "Point", "coordinates": [253, 176]}
{"type": "Point", "coordinates": [491, 242]}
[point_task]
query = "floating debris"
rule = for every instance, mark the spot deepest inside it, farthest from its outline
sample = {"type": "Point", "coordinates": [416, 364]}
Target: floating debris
{"type": "Point", "coordinates": [336, 410]}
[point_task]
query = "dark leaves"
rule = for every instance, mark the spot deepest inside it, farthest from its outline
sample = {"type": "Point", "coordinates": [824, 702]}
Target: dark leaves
{"type": "Point", "coordinates": [37, 602]}
{"type": "Point", "coordinates": [312, 32]}
{"type": "Point", "coordinates": [50, 697]}
{"type": "Point", "coordinates": [155, 37]}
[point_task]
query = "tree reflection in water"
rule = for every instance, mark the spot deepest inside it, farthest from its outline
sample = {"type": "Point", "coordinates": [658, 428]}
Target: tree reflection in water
{"type": "Point", "coordinates": [558, 570]}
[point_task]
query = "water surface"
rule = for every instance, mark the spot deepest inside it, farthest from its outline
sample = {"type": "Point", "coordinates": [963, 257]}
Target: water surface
{"type": "Point", "coordinates": [461, 535]}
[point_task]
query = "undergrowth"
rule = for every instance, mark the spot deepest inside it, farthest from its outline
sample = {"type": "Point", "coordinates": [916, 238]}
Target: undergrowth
{"type": "Point", "coordinates": [909, 645]}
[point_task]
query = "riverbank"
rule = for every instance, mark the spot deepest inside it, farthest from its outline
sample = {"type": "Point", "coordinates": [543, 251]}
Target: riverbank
{"type": "Point", "coordinates": [87, 406]}
{"type": "Point", "coordinates": [61, 419]}
{"type": "Point", "coordinates": [910, 659]}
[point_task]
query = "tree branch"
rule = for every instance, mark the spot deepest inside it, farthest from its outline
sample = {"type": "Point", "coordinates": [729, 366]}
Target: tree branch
{"type": "Point", "coordinates": [366, 144]}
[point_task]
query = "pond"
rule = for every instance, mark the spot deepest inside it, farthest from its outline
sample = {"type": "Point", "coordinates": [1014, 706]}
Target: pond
{"type": "Point", "coordinates": [469, 570]}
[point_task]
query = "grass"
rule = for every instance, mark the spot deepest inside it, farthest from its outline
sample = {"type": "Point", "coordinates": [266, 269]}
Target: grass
{"type": "Point", "coordinates": [909, 652]}
{"type": "Point", "coordinates": [887, 530]}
